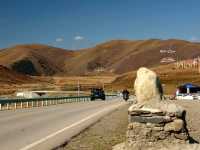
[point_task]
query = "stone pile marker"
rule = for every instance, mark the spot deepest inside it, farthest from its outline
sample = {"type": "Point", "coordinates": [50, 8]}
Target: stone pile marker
{"type": "Point", "coordinates": [155, 123]}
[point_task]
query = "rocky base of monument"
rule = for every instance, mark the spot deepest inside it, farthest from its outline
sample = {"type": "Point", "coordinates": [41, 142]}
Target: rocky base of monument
{"type": "Point", "coordinates": [155, 123]}
{"type": "Point", "coordinates": [147, 127]}
{"type": "Point", "coordinates": [156, 128]}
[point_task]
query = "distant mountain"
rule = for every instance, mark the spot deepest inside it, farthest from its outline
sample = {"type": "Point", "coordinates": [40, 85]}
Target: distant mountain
{"type": "Point", "coordinates": [35, 59]}
{"type": "Point", "coordinates": [113, 57]}
{"type": "Point", "coordinates": [120, 56]}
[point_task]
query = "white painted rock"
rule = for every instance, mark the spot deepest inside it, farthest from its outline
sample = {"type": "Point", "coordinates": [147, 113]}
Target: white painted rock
{"type": "Point", "coordinates": [147, 86]}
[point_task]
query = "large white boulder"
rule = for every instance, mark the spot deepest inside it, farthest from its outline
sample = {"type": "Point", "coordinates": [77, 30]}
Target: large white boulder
{"type": "Point", "coordinates": [147, 86]}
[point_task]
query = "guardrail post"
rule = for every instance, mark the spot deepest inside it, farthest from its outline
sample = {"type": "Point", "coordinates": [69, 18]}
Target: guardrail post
{"type": "Point", "coordinates": [21, 105]}
{"type": "Point", "coordinates": [7, 106]}
{"type": "Point", "coordinates": [26, 103]}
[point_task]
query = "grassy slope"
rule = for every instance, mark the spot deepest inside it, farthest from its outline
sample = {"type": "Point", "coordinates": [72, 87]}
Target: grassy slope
{"type": "Point", "coordinates": [170, 78]}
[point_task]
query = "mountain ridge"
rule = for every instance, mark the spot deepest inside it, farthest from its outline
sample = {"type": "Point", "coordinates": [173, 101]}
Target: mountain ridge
{"type": "Point", "coordinates": [112, 57]}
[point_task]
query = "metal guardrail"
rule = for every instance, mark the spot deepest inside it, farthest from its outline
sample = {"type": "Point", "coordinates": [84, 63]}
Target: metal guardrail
{"type": "Point", "coordinates": [6, 104]}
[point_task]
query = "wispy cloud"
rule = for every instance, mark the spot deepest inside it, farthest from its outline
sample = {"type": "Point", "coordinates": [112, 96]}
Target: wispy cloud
{"type": "Point", "coordinates": [60, 39]}
{"type": "Point", "coordinates": [194, 39]}
{"type": "Point", "coordinates": [78, 38]}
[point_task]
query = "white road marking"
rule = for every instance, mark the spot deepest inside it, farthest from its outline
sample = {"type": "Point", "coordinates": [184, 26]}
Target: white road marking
{"type": "Point", "coordinates": [66, 128]}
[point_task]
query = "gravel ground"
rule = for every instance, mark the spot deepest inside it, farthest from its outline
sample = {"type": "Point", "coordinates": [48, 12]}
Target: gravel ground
{"type": "Point", "coordinates": [192, 117]}
{"type": "Point", "coordinates": [107, 132]}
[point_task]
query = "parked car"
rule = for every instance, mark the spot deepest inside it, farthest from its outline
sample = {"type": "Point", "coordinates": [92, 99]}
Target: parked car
{"type": "Point", "coordinates": [188, 91]}
{"type": "Point", "coordinates": [97, 93]}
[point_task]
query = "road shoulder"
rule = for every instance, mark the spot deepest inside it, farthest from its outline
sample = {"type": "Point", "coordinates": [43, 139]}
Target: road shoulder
{"type": "Point", "coordinates": [108, 131]}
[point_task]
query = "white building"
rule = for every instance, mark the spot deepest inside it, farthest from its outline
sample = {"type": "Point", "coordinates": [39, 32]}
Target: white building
{"type": "Point", "coordinates": [29, 94]}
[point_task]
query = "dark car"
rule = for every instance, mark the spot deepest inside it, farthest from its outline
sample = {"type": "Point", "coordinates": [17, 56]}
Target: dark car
{"type": "Point", "coordinates": [97, 93]}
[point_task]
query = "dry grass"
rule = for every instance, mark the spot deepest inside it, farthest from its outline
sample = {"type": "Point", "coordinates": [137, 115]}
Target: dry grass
{"type": "Point", "coordinates": [57, 83]}
{"type": "Point", "coordinates": [170, 78]}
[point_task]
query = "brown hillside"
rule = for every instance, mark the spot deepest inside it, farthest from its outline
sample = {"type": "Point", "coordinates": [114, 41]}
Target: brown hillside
{"type": "Point", "coordinates": [122, 56]}
{"type": "Point", "coordinates": [170, 77]}
{"type": "Point", "coordinates": [35, 59]}
{"type": "Point", "coordinates": [113, 57]}
{"type": "Point", "coordinates": [10, 77]}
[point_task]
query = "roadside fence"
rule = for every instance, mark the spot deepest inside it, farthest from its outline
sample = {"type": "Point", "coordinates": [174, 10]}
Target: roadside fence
{"type": "Point", "coordinates": [19, 103]}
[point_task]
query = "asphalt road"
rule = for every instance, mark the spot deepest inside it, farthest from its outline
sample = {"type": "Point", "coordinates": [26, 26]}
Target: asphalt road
{"type": "Point", "coordinates": [48, 127]}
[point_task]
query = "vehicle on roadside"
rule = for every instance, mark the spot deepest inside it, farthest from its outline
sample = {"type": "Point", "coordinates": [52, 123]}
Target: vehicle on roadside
{"type": "Point", "coordinates": [188, 91]}
{"type": "Point", "coordinates": [125, 94]}
{"type": "Point", "coordinates": [97, 93]}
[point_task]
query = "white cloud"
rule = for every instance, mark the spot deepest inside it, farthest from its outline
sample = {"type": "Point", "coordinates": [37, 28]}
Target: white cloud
{"type": "Point", "coordinates": [194, 39]}
{"type": "Point", "coordinates": [59, 39]}
{"type": "Point", "coordinates": [78, 38]}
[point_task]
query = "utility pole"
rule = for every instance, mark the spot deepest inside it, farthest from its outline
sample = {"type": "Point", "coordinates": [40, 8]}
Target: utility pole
{"type": "Point", "coordinates": [103, 86]}
{"type": "Point", "coordinates": [78, 87]}
{"type": "Point", "coordinates": [198, 67]}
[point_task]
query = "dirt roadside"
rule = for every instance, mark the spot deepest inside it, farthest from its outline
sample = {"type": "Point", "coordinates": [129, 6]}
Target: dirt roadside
{"type": "Point", "coordinates": [111, 129]}
{"type": "Point", "coordinates": [192, 117]}
{"type": "Point", "coordinates": [107, 132]}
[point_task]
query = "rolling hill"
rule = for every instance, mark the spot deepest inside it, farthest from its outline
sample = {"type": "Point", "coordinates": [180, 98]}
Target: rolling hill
{"type": "Point", "coordinates": [8, 76]}
{"type": "Point", "coordinates": [113, 57]}
{"type": "Point", "coordinates": [170, 78]}
{"type": "Point", "coordinates": [35, 59]}
{"type": "Point", "coordinates": [122, 56]}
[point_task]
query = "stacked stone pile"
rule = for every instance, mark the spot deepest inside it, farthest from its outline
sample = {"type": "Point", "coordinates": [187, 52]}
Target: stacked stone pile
{"type": "Point", "coordinates": [150, 126]}
{"type": "Point", "coordinates": [154, 123]}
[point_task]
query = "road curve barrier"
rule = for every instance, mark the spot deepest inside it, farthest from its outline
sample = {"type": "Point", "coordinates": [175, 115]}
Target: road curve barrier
{"type": "Point", "coordinates": [19, 103]}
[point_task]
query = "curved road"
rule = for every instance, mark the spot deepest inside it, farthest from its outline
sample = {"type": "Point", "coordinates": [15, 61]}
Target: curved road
{"type": "Point", "coordinates": [48, 127]}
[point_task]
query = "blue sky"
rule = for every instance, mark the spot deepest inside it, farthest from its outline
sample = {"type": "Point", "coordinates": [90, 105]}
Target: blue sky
{"type": "Point", "coordinates": [74, 24]}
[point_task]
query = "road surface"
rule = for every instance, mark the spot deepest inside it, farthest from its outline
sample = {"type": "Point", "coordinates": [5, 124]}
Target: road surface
{"type": "Point", "coordinates": [48, 127]}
